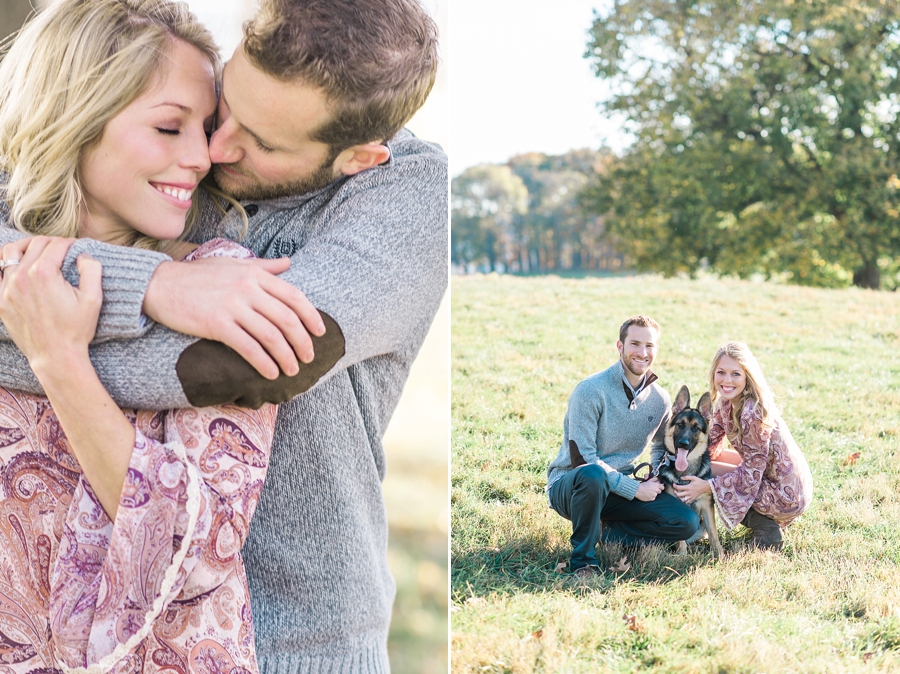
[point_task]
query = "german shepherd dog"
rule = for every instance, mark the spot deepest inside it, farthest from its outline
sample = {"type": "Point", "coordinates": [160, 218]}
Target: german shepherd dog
{"type": "Point", "coordinates": [687, 453]}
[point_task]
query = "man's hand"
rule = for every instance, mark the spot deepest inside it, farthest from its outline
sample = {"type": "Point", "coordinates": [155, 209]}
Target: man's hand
{"type": "Point", "coordinates": [649, 490]}
{"type": "Point", "coordinates": [239, 303]}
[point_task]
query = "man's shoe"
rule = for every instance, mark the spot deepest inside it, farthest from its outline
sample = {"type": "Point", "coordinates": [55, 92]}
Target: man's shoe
{"type": "Point", "coordinates": [588, 572]}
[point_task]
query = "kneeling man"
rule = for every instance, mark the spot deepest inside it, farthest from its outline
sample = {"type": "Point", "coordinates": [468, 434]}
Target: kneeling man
{"type": "Point", "coordinates": [611, 417]}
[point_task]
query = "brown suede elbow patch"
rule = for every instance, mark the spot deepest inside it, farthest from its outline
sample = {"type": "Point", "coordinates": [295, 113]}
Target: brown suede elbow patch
{"type": "Point", "coordinates": [214, 374]}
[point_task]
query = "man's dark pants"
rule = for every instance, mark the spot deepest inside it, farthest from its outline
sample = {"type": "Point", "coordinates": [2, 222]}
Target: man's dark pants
{"type": "Point", "coordinates": [582, 495]}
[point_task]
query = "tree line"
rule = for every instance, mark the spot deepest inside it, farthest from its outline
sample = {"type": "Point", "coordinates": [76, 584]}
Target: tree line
{"type": "Point", "coordinates": [526, 216]}
{"type": "Point", "coordinates": [767, 136]}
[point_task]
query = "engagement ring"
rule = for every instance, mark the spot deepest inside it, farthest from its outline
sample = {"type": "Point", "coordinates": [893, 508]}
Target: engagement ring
{"type": "Point", "coordinates": [8, 263]}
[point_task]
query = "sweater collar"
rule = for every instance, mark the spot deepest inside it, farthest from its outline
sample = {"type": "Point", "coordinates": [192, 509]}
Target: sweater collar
{"type": "Point", "coordinates": [632, 393]}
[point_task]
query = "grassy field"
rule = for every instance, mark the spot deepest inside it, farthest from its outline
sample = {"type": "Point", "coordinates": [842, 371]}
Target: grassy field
{"type": "Point", "coordinates": [829, 603]}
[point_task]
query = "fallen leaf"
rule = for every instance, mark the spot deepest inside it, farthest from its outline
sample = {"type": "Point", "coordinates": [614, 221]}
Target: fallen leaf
{"type": "Point", "coordinates": [537, 634]}
{"type": "Point", "coordinates": [632, 623]}
{"type": "Point", "coordinates": [851, 459]}
{"type": "Point", "coordinates": [561, 567]}
{"type": "Point", "coordinates": [621, 566]}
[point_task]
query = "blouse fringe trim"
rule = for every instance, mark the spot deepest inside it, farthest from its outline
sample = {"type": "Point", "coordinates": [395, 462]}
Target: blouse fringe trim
{"type": "Point", "coordinates": [107, 662]}
{"type": "Point", "coordinates": [720, 511]}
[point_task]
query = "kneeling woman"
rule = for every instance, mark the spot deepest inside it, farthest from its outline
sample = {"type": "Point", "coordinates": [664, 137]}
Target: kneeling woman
{"type": "Point", "coordinates": [770, 485]}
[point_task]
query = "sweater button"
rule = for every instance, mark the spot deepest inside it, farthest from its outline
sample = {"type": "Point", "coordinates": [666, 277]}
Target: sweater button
{"type": "Point", "coordinates": [252, 210]}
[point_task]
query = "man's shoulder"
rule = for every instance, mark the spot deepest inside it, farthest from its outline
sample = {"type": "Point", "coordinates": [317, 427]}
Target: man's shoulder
{"type": "Point", "coordinates": [413, 163]}
{"type": "Point", "coordinates": [661, 392]}
{"type": "Point", "coordinates": [406, 146]}
{"type": "Point", "coordinates": [599, 381]}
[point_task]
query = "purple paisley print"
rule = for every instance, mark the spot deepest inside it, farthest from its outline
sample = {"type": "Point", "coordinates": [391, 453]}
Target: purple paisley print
{"type": "Point", "coordinates": [10, 436]}
{"type": "Point", "coordinates": [773, 477]}
{"type": "Point", "coordinates": [74, 586]}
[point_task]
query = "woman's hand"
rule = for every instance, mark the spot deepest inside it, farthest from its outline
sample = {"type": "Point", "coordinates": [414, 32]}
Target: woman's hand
{"type": "Point", "coordinates": [695, 488]}
{"type": "Point", "coordinates": [47, 317]}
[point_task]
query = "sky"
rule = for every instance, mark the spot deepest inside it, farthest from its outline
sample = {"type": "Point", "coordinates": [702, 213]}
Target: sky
{"type": "Point", "coordinates": [520, 83]}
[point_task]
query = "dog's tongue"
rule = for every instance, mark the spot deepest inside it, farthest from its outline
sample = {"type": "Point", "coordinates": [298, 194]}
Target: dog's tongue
{"type": "Point", "coordinates": [681, 460]}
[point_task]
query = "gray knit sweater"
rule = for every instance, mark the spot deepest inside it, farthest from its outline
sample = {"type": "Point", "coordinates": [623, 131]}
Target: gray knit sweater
{"type": "Point", "coordinates": [371, 251]}
{"type": "Point", "coordinates": [605, 428]}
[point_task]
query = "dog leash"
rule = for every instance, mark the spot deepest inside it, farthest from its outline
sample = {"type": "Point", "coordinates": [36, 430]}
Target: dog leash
{"type": "Point", "coordinates": [651, 472]}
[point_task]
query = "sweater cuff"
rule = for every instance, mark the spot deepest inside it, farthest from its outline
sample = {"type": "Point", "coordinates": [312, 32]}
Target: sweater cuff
{"type": "Point", "coordinates": [625, 487]}
{"type": "Point", "coordinates": [126, 275]}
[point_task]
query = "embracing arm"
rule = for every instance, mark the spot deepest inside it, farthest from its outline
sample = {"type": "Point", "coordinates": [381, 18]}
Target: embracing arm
{"type": "Point", "coordinates": [379, 269]}
{"type": "Point", "coordinates": [148, 372]}
{"type": "Point", "coordinates": [273, 312]}
{"type": "Point", "coordinates": [53, 328]}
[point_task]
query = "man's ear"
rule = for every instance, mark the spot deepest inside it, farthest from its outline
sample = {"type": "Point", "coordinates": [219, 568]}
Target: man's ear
{"type": "Point", "coordinates": [361, 157]}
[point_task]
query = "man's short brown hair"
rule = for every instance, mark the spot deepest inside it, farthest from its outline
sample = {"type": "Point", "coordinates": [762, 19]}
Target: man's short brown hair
{"type": "Point", "coordinates": [641, 321]}
{"type": "Point", "coordinates": [375, 60]}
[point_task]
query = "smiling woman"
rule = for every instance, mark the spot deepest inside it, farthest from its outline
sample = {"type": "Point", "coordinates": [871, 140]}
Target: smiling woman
{"type": "Point", "coordinates": [770, 484]}
{"type": "Point", "coordinates": [121, 530]}
{"type": "Point", "coordinates": [152, 155]}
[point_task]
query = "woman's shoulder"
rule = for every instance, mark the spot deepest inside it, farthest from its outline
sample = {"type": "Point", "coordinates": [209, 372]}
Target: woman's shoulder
{"type": "Point", "coordinates": [751, 412]}
{"type": "Point", "coordinates": [219, 248]}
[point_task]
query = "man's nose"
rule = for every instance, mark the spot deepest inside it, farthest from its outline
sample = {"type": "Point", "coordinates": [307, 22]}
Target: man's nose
{"type": "Point", "coordinates": [223, 148]}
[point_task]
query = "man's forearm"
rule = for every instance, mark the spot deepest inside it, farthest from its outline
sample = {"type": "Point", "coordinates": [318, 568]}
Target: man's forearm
{"type": "Point", "coordinates": [126, 275]}
{"type": "Point", "coordinates": [378, 265]}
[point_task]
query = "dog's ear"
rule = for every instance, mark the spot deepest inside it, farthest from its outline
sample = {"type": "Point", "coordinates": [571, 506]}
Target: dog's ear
{"type": "Point", "coordinates": [705, 406]}
{"type": "Point", "coordinates": [682, 401]}
{"type": "Point", "coordinates": [575, 456]}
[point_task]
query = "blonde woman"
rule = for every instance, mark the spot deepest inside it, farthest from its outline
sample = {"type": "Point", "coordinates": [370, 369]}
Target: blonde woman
{"type": "Point", "coordinates": [769, 483]}
{"type": "Point", "coordinates": [120, 531]}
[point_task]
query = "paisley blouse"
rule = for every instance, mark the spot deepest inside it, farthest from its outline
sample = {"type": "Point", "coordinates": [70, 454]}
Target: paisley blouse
{"type": "Point", "coordinates": [161, 588]}
{"type": "Point", "coordinates": [773, 477]}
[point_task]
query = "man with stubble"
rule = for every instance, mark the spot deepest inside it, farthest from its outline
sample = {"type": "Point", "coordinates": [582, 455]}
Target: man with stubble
{"type": "Point", "coordinates": [611, 417]}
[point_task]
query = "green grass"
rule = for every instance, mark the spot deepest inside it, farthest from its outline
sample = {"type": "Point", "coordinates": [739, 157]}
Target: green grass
{"type": "Point", "coordinates": [829, 603]}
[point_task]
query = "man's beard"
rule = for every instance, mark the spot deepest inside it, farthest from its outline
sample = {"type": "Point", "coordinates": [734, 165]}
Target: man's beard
{"type": "Point", "coordinates": [256, 191]}
{"type": "Point", "coordinates": [629, 365]}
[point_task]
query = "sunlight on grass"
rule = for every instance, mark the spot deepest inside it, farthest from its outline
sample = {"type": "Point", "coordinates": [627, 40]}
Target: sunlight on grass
{"type": "Point", "coordinates": [829, 603]}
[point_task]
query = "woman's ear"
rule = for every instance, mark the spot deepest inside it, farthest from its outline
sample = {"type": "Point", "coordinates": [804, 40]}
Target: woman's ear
{"type": "Point", "coordinates": [361, 157]}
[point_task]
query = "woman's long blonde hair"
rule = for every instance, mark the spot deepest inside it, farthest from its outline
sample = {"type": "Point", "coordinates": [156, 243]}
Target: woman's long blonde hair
{"type": "Point", "coordinates": [72, 68]}
{"type": "Point", "coordinates": [757, 389]}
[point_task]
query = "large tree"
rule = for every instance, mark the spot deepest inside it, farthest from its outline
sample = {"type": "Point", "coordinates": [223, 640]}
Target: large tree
{"type": "Point", "coordinates": [767, 136]}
